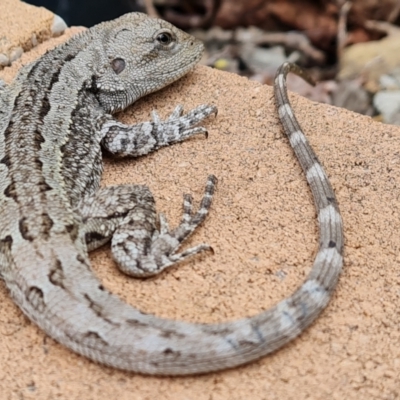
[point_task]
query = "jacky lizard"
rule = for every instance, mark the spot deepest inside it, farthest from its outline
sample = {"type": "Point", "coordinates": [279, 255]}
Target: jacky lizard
{"type": "Point", "coordinates": [54, 120]}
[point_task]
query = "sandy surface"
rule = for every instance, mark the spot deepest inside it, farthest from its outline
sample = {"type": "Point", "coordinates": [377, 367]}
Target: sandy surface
{"type": "Point", "coordinates": [263, 229]}
{"type": "Point", "coordinates": [22, 25]}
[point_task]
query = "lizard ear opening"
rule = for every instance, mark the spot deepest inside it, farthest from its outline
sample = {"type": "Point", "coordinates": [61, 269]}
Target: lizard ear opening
{"type": "Point", "coordinates": [118, 65]}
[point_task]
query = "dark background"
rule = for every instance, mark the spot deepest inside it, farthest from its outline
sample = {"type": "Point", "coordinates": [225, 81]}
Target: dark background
{"type": "Point", "coordinates": [86, 12]}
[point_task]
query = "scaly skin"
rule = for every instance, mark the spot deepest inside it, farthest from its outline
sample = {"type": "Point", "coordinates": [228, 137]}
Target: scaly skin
{"type": "Point", "coordinates": [54, 120]}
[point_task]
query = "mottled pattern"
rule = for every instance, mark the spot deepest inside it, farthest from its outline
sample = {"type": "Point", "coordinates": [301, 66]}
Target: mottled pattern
{"type": "Point", "coordinates": [54, 120]}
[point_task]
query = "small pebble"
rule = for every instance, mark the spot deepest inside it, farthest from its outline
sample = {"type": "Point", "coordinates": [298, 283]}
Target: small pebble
{"type": "Point", "coordinates": [16, 53]}
{"type": "Point", "coordinates": [59, 26]}
{"type": "Point", "coordinates": [4, 61]}
{"type": "Point", "coordinates": [34, 40]}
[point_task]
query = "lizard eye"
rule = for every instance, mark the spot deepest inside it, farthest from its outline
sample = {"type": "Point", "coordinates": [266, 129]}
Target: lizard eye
{"type": "Point", "coordinates": [118, 65]}
{"type": "Point", "coordinates": [164, 38]}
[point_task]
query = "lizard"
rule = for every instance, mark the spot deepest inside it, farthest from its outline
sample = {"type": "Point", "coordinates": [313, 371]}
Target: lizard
{"type": "Point", "coordinates": [55, 121]}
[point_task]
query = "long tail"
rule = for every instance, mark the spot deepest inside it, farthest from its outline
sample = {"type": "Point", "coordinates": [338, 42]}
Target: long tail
{"type": "Point", "coordinates": [82, 315]}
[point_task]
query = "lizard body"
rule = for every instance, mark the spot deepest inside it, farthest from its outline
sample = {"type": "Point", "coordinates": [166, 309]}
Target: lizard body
{"type": "Point", "coordinates": [54, 120]}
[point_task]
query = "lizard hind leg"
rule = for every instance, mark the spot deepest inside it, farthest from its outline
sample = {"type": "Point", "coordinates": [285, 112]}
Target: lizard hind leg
{"type": "Point", "coordinates": [141, 250]}
{"type": "Point", "coordinates": [104, 211]}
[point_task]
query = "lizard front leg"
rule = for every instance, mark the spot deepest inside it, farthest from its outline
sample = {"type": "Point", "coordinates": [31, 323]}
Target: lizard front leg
{"type": "Point", "coordinates": [127, 215]}
{"type": "Point", "coordinates": [136, 140]}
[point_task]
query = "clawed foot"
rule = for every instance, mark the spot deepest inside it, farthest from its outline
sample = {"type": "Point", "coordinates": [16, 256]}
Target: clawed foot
{"type": "Point", "coordinates": [179, 127]}
{"type": "Point", "coordinates": [136, 140]}
{"type": "Point", "coordinates": [158, 252]}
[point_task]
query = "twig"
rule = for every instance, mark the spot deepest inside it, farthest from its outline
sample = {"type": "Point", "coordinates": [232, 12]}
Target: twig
{"type": "Point", "coordinates": [386, 27]}
{"type": "Point", "coordinates": [342, 28]}
{"type": "Point", "coordinates": [150, 9]}
{"type": "Point", "coordinates": [295, 40]}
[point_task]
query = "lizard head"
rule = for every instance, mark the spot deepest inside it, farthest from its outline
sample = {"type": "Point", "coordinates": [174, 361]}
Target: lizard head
{"type": "Point", "coordinates": [140, 55]}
